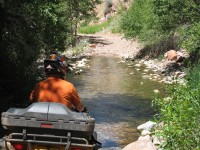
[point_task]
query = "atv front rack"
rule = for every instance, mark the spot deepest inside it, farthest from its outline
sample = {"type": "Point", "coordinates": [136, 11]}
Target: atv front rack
{"type": "Point", "coordinates": [66, 141]}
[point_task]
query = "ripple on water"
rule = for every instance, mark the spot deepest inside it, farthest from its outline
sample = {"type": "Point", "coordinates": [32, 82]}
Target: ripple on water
{"type": "Point", "coordinates": [113, 135]}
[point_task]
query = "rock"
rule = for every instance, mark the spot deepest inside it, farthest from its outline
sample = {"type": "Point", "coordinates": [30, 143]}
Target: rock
{"type": "Point", "coordinates": [147, 126]}
{"type": "Point", "coordinates": [2, 144]}
{"type": "Point", "coordinates": [80, 64]}
{"type": "Point", "coordinates": [92, 45]}
{"type": "Point", "coordinates": [156, 140]}
{"type": "Point", "coordinates": [156, 91]}
{"type": "Point", "coordinates": [182, 75]}
{"type": "Point", "coordinates": [77, 73]}
{"type": "Point", "coordinates": [145, 76]}
{"type": "Point", "coordinates": [102, 20]}
{"type": "Point", "coordinates": [143, 143]}
{"type": "Point", "coordinates": [167, 99]}
{"type": "Point", "coordinates": [145, 132]}
{"type": "Point", "coordinates": [171, 55]}
{"type": "Point", "coordinates": [137, 65]}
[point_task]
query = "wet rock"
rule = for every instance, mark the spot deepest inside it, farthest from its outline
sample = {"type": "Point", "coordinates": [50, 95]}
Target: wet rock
{"type": "Point", "coordinates": [137, 65]}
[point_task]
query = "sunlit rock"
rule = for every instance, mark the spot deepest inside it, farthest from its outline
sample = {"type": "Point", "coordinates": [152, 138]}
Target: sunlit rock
{"type": "Point", "coordinates": [171, 55]}
{"type": "Point", "coordinates": [145, 132]}
{"type": "Point", "coordinates": [137, 65]}
{"type": "Point", "coordinates": [156, 141]}
{"type": "Point", "coordinates": [146, 70]}
{"type": "Point", "coordinates": [143, 143]}
{"type": "Point", "coordinates": [156, 91]}
{"type": "Point", "coordinates": [145, 76]}
{"type": "Point", "coordinates": [147, 126]}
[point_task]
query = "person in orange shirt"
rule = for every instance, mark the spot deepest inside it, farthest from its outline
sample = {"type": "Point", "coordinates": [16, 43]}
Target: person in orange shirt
{"type": "Point", "coordinates": [55, 88]}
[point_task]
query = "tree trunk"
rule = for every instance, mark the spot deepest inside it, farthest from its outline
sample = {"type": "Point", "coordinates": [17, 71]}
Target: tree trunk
{"type": "Point", "coordinates": [2, 21]}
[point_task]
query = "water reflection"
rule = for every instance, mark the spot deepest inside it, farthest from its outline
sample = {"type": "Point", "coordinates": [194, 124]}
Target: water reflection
{"type": "Point", "coordinates": [114, 96]}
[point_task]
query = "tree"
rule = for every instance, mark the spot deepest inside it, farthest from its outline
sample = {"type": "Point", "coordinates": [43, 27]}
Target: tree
{"type": "Point", "coordinates": [27, 28]}
{"type": "Point", "coordinates": [79, 11]}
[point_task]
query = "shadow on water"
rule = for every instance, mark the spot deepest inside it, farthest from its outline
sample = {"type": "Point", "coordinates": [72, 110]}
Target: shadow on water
{"type": "Point", "coordinates": [114, 96]}
{"type": "Point", "coordinates": [116, 108]}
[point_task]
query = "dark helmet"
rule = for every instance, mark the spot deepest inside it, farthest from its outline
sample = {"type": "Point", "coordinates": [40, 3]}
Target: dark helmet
{"type": "Point", "coordinates": [55, 65]}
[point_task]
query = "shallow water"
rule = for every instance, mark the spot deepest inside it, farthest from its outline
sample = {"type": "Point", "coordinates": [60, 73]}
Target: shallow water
{"type": "Point", "coordinates": [114, 95]}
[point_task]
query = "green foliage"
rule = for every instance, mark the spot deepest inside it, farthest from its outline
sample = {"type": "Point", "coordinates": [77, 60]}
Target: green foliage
{"type": "Point", "coordinates": [91, 29]}
{"type": "Point", "coordinates": [180, 114]}
{"type": "Point", "coordinates": [153, 21]}
{"type": "Point", "coordinates": [175, 13]}
{"type": "Point", "coordinates": [189, 37]}
{"type": "Point", "coordinates": [140, 21]}
{"type": "Point", "coordinates": [29, 28]}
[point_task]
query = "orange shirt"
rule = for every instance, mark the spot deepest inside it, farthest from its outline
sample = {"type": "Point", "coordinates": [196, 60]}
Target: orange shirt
{"type": "Point", "coordinates": [55, 90]}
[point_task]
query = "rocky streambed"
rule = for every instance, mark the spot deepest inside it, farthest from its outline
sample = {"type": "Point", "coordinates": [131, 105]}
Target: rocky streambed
{"type": "Point", "coordinates": [168, 70]}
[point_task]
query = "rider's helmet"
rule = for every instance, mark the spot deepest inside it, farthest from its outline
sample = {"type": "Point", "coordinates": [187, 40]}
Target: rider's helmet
{"type": "Point", "coordinates": [55, 65]}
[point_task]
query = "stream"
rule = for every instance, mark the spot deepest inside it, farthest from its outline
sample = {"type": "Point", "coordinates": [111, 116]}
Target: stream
{"type": "Point", "coordinates": [117, 96]}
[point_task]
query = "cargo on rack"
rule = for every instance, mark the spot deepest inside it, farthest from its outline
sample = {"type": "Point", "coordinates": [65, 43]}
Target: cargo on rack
{"type": "Point", "coordinates": [55, 117]}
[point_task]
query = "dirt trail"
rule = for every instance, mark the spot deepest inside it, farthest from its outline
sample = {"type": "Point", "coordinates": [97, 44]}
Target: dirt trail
{"type": "Point", "coordinates": [112, 44]}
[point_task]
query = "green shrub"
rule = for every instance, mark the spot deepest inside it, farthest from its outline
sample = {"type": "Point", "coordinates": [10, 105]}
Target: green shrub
{"type": "Point", "coordinates": [190, 36]}
{"type": "Point", "coordinates": [152, 20]}
{"type": "Point", "coordinates": [141, 22]}
{"type": "Point", "coordinates": [181, 114]}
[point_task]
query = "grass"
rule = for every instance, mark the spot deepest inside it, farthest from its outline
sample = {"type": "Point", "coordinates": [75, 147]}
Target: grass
{"type": "Point", "coordinates": [91, 29]}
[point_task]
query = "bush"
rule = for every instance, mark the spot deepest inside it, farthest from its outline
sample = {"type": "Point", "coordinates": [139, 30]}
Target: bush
{"type": "Point", "coordinates": [180, 114]}
{"type": "Point", "coordinates": [141, 22]}
{"type": "Point", "coordinates": [190, 36]}
{"type": "Point", "coordinates": [151, 21]}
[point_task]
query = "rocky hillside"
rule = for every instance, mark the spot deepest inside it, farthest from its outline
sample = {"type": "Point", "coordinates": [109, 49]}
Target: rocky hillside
{"type": "Point", "coordinates": [110, 8]}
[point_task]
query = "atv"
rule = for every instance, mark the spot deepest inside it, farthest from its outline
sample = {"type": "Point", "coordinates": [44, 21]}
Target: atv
{"type": "Point", "coordinates": [48, 126]}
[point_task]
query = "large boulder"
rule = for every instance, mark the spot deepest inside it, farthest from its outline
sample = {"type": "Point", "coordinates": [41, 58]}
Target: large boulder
{"type": "Point", "coordinates": [146, 126]}
{"type": "Point", "coordinates": [143, 143]}
{"type": "Point", "coordinates": [171, 55]}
